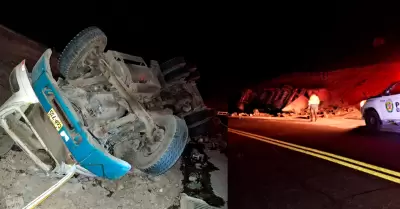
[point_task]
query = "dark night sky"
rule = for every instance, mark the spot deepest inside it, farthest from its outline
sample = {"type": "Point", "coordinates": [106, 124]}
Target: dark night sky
{"type": "Point", "coordinates": [232, 47]}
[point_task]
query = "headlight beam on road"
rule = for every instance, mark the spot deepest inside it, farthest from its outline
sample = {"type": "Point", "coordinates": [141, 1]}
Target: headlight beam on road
{"type": "Point", "coordinates": [357, 165]}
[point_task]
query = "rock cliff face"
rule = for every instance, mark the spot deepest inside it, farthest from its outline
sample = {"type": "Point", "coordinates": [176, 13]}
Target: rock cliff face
{"type": "Point", "coordinates": [345, 86]}
{"type": "Point", "coordinates": [15, 48]}
{"type": "Point", "coordinates": [338, 90]}
{"type": "Point", "coordinates": [341, 88]}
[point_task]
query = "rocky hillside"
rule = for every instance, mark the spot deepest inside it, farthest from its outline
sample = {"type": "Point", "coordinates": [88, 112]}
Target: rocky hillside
{"type": "Point", "coordinates": [345, 86]}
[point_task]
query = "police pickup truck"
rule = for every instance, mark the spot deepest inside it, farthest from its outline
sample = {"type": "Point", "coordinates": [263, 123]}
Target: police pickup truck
{"type": "Point", "coordinates": [382, 110]}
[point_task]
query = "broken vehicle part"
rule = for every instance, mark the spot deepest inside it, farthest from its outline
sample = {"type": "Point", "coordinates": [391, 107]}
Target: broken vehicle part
{"type": "Point", "coordinates": [25, 122]}
{"type": "Point", "coordinates": [68, 175]}
{"type": "Point", "coordinates": [13, 110]}
{"type": "Point", "coordinates": [85, 150]}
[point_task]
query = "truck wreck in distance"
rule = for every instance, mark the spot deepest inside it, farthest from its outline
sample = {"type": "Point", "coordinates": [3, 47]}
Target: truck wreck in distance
{"type": "Point", "coordinates": [270, 99]}
{"type": "Point", "coordinates": [287, 99]}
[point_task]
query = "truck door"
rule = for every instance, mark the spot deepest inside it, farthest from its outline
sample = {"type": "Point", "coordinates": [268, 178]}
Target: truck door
{"type": "Point", "coordinates": [392, 103]}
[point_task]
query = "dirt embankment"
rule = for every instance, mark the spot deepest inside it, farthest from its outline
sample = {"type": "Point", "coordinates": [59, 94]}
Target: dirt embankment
{"type": "Point", "coordinates": [15, 48]}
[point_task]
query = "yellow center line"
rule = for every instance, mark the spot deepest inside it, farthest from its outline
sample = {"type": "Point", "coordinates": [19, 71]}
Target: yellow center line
{"type": "Point", "coordinates": [357, 165]}
{"type": "Point", "coordinates": [384, 170]}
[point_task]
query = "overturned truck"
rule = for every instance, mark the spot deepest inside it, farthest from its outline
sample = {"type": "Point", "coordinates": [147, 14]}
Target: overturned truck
{"type": "Point", "coordinates": [110, 112]}
{"type": "Point", "coordinates": [272, 99]}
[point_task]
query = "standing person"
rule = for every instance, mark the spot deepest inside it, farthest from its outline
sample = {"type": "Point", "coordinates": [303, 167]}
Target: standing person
{"type": "Point", "coordinates": [313, 104]}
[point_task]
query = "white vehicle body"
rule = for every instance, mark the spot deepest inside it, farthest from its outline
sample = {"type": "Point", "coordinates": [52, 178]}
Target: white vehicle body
{"type": "Point", "coordinates": [19, 116]}
{"type": "Point", "coordinates": [15, 107]}
{"type": "Point", "coordinates": [383, 109]}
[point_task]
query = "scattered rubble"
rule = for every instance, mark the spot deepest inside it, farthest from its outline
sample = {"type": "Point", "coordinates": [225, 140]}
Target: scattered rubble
{"type": "Point", "coordinates": [6, 143]}
{"type": "Point", "coordinates": [21, 180]}
{"type": "Point", "coordinates": [287, 101]}
{"type": "Point", "coordinates": [348, 112]}
{"type": "Point", "coordinates": [259, 114]}
{"type": "Point", "coordinates": [286, 114]}
{"type": "Point", "coordinates": [212, 143]}
{"type": "Point", "coordinates": [243, 114]}
{"type": "Point", "coordinates": [299, 108]}
{"type": "Point", "coordinates": [197, 179]}
{"type": "Point", "coordinates": [191, 175]}
{"type": "Point", "coordinates": [199, 172]}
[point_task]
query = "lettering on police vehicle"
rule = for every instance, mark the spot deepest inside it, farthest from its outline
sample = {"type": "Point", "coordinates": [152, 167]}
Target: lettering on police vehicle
{"type": "Point", "coordinates": [397, 106]}
{"type": "Point", "coordinates": [55, 119]}
{"type": "Point", "coordinates": [389, 105]}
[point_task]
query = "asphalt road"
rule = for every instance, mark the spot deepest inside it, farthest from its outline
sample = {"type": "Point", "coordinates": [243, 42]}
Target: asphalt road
{"type": "Point", "coordinates": [382, 149]}
{"type": "Point", "coordinates": [262, 175]}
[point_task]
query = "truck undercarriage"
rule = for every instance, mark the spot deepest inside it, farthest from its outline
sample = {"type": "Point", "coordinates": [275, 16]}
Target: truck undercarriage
{"type": "Point", "coordinates": [112, 110]}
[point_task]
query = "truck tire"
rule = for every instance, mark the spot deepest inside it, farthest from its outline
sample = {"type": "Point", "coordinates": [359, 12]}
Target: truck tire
{"type": "Point", "coordinates": [372, 120]}
{"type": "Point", "coordinates": [168, 152]}
{"type": "Point", "coordinates": [199, 122]}
{"type": "Point", "coordinates": [197, 116]}
{"type": "Point", "coordinates": [86, 41]}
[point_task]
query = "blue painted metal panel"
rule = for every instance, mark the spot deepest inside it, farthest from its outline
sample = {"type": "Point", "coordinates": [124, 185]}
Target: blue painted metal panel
{"type": "Point", "coordinates": [86, 151]}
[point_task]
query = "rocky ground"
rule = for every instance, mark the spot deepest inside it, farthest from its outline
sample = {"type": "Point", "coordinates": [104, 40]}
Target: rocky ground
{"type": "Point", "coordinates": [200, 173]}
{"type": "Point", "coordinates": [21, 181]}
